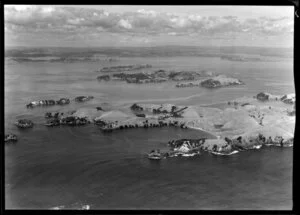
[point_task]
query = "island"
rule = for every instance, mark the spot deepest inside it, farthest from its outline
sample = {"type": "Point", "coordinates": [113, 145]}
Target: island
{"type": "Point", "coordinates": [203, 78]}
{"type": "Point", "coordinates": [241, 124]}
{"type": "Point", "coordinates": [61, 101]}
{"type": "Point", "coordinates": [62, 59]}
{"type": "Point", "coordinates": [124, 68]}
{"type": "Point", "coordinates": [10, 138]}
{"type": "Point", "coordinates": [51, 102]}
{"type": "Point", "coordinates": [213, 82]}
{"type": "Point", "coordinates": [157, 76]}
{"type": "Point", "coordinates": [220, 81]}
{"type": "Point", "coordinates": [245, 123]}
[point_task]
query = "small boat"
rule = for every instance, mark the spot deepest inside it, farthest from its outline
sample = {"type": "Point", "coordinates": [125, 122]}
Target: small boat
{"type": "Point", "coordinates": [225, 153]}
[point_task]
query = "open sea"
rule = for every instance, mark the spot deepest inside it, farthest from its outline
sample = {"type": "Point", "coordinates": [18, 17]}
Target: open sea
{"type": "Point", "coordinates": [72, 167]}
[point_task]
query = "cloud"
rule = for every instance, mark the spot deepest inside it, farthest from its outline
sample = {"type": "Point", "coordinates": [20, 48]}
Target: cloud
{"type": "Point", "coordinates": [172, 33]}
{"type": "Point", "coordinates": [125, 24]}
{"type": "Point", "coordinates": [62, 20]}
{"type": "Point", "coordinates": [147, 12]}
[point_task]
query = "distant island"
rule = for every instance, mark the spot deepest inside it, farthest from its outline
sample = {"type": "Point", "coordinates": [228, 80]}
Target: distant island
{"type": "Point", "coordinates": [203, 78]}
{"type": "Point", "coordinates": [124, 68]}
{"type": "Point", "coordinates": [214, 82]}
{"type": "Point", "coordinates": [53, 59]}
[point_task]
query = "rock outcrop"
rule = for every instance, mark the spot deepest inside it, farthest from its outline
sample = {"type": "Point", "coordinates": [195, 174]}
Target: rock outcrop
{"type": "Point", "coordinates": [99, 108]}
{"type": "Point", "coordinates": [136, 107]}
{"type": "Point", "coordinates": [10, 138]}
{"type": "Point", "coordinates": [263, 96]}
{"type": "Point", "coordinates": [58, 114]}
{"type": "Point", "coordinates": [190, 144]}
{"type": "Point", "coordinates": [24, 123]}
{"type": "Point", "coordinates": [51, 102]}
{"type": "Point", "coordinates": [83, 98]}
{"type": "Point", "coordinates": [289, 98]}
{"type": "Point", "coordinates": [41, 103]}
{"type": "Point", "coordinates": [70, 120]}
{"type": "Point", "coordinates": [53, 122]}
{"type": "Point", "coordinates": [63, 101]}
{"type": "Point", "coordinates": [81, 116]}
{"type": "Point", "coordinates": [73, 121]}
{"type": "Point", "coordinates": [103, 78]}
{"type": "Point", "coordinates": [220, 81]}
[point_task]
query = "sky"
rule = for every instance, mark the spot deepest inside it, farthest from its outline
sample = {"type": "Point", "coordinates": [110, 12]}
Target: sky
{"type": "Point", "coordinates": [134, 25]}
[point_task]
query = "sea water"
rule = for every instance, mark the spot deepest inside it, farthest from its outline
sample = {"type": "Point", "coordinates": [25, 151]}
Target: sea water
{"type": "Point", "coordinates": [81, 167]}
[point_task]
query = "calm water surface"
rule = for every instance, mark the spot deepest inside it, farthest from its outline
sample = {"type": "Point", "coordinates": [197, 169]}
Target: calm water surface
{"type": "Point", "coordinates": [78, 166]}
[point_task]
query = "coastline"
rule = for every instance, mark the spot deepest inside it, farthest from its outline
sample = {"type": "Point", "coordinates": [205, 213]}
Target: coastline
{"type": "Point", "coordinates": [247, 118]}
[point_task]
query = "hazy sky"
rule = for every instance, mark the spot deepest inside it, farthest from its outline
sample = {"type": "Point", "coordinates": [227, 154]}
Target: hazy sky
{"type": "Point", "coordinates": [104, 25]}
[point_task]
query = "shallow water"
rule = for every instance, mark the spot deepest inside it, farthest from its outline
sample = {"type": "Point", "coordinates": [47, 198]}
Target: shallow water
{"type": "Point", "coordinates": [76, 166]}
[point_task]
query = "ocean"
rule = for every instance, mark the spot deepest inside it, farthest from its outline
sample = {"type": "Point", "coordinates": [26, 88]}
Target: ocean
{"type": "Point", "coordinates": [72, 167]}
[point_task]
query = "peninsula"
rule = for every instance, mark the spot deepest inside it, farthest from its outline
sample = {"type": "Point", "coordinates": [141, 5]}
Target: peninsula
{"type": "Point", "coordinates": [246, 121]}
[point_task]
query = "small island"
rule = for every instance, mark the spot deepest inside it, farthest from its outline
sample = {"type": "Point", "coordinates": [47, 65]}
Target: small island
{"type": "Point", "coordinates": [124, 68]}
{"type": "Point", "coordinates": [213, 82]}
{"type": "Point", "coordinates": [204, 78]}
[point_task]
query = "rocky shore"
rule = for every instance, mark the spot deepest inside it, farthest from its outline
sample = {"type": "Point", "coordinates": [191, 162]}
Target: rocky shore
{"type": "Point", "coordinates": [226, 146]}
{"type": "Point", "coordinates": [245, 123]}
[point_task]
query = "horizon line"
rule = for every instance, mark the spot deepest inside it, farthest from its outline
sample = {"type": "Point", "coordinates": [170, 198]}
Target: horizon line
{"type": "Point", "coordinates": [156, 46]}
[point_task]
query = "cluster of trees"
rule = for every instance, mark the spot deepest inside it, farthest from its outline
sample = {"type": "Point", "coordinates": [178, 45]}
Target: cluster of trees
{"type": "Point", "coordinates": [136, 107]}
